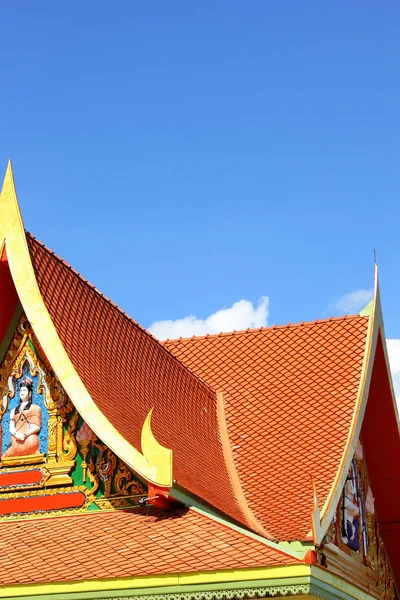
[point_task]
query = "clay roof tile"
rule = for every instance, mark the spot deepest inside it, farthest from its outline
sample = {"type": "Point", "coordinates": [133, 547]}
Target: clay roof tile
{"type": "Point", "coordinates": [96, 546]}
{"type": "Point", "coordinates": [115, 356]}
{"type": "Point", "coordinates": [278, 387]}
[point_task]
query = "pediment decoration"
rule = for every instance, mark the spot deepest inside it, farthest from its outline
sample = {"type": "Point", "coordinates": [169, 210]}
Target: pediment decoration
{"type": "Point", "coordinates": [353, 544]}
{"type": "Point", "coordinates": [51, 461]}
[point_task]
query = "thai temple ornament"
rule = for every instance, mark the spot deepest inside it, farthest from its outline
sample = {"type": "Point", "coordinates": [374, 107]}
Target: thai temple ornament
{"type": "Point", "coordinates": [45, 442]}
{"type": "Point", "coordinates": [84, 437]}
{"type": "Point", "coordinates": [224, 510]}
{"type": "Point", "coordinates": [355, 529]}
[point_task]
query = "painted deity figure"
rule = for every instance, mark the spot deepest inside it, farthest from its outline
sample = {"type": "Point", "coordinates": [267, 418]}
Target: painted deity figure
{"type": "Point", "coordinates": [351, 518]}
{"type": "Point", "coordinates": [25, 423]}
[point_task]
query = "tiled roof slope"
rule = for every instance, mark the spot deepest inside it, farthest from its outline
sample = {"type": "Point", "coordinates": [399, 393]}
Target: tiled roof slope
{"type": "Point", "coordinates": [127, 372]}
{"type": "Point", "coordinates": [290, 393]}
{"type": "Point", "coordinates": [125, 544]}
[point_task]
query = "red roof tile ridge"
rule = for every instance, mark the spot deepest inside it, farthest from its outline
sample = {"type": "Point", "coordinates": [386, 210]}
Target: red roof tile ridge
{"type": "Point", "coordinates": [255, 330]}
{"type": "Point", "coordinates": [116, 307]}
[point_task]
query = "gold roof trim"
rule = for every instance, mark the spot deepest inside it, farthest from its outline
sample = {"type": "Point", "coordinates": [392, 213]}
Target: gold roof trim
{"type": "Point", "coordinates": [155, 464]}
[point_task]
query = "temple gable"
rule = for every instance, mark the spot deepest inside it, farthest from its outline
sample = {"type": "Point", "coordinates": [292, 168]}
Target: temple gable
{"type": "Point", "coordinates": [353, 545]}
{"type": "Point", "coordinates": [51, 461]}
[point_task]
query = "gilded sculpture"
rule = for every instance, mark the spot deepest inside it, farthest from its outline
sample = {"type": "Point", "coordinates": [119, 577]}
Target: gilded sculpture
{"type": "Point", "coordinates": [42, 431]}
{"type": "Point", "coordinates": [25, 423]}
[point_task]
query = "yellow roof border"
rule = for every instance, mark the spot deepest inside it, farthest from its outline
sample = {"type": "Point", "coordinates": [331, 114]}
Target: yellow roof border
{"type": "Point", "coordinates": [181, 579]}
{"type": "Point", "coordinates": [155, 464]}
{"type": "Point", "coordinates": [180, 584]}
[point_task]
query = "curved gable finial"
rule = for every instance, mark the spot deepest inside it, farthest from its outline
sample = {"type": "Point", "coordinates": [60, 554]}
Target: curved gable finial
{"type": "Point", "coordinates": [155, 464]}
{"type": "Point", "coordinates": [373, 311]}
{"type": "Point", "coordinates": [9, 210]}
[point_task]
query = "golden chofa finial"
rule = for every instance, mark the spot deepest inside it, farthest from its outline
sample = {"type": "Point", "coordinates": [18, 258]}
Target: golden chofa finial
{"type": "Point", "coordinates": [8, 182]}
{"type": "Point", "coordinates": [155, 464]}
{"type": "Point", "coordinates": [12, 231]}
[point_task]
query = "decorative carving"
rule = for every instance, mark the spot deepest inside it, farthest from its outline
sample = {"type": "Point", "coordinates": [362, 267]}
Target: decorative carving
{"type": "Point", "coordinates": [70, 448]}
{"type": "Point", "coordinates": [84, 437]}
{"type": "Point", "coordinates": [330, 535]}
{"type": "Point", "coordinates": [93, 477]}
{"type": "Point", "coordinates": [28, 459]}
{"type": "Point", "coordinates": [269, 591]}
{"type": "Point", "coordinates": [16, 343]}
{"type": "Point", "coordinates": [22, 430]}
{"type": "Point", "coordinates": [37, 420]}
{"type": "Point", "coordinates": [56, 432]}
{"type": "Point", "coordinates": [116, 503]}
{"type": "Point", "coordinates": [355, 532]}
{"type": "Point", "coordinates": [105, 466]}
{"type": "Point", "coordinates": [125, 483]}
{"type": "Point", "coordinates": [24, 367]}
{"type": "Point", "coordinates": [102, 467]}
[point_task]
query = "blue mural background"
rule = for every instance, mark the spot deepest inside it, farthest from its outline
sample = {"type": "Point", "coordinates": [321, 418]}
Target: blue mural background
{"type": "Point", "coordinates": [13, 402]}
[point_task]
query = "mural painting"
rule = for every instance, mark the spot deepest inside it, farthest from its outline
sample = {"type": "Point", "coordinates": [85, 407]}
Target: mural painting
{"type": "Point", "coordinates": [50, 458]}
{"type": "Point", "coordinates": [355, 529]}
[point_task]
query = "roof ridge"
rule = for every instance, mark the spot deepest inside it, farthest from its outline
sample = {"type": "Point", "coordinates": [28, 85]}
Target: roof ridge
{"type": "Point", "coordinates": [261, 329]}
{"type": "Point", "coordinates": [119, 309]}
{"type": "Point", "coordinates": [235, 480]}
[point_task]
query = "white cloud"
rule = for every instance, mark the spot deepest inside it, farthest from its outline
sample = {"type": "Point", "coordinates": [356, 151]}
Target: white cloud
{"type": "Point", "coordinates": [352, 302]}
{"type": "Point", "coordinates": [393, 347]}
{"type": "Point", "coordinates": [240, 315]}
{"type": "Point", "coordinates": [243, 314]}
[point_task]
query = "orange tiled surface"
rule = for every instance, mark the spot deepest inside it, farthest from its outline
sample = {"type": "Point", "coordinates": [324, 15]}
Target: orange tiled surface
{"type": "Point", "coordinates": [290, 393]}
{"type": "Point", "coordinates": [285, 378]}
{"type": "Point", "coordinates": [125, 544]}
{"type": "Point", "coordinates": [127, 372]}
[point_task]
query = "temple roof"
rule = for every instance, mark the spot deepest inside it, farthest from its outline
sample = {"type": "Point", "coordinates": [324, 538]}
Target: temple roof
{"type": "Point", "coordinates": [290, 394]}
{"type": "Point", "coordinates": [122, 544]}
{"type": "Point", "coordinates": [285, 377]}
{"type": "Point", "coordinates": [255, 421]}
{"type": "Point", "coordinates": [127, 373]}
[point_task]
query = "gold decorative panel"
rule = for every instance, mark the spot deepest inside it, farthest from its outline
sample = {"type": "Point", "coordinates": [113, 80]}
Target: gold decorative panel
{"type": "Point", "coordinates": [47, 451]}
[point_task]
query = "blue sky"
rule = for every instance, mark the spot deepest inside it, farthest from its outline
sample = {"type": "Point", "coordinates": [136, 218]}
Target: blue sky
{"type": "Point", "coordinates": [186, 156]}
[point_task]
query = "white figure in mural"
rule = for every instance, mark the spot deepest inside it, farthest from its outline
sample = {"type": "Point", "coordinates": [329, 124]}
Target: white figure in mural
{"type": "Point", "coordinates": [351, 521]}
{"type": "Point", "coordinates": [25, 423]}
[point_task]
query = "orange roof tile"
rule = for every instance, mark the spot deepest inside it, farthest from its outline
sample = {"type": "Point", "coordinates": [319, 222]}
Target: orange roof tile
{"type": "Point", "coordinates": [125, 544]}
{"type": "Point", "coordinates": [127, 372]}
{"type": "Point", "coordinates": [284, 377]}
{"type": "Point", "coordinates": [290, 393]}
